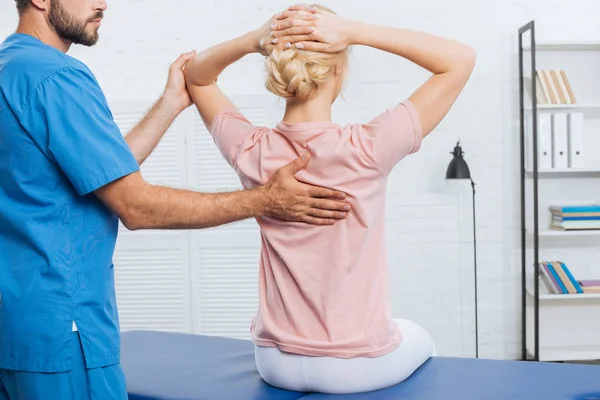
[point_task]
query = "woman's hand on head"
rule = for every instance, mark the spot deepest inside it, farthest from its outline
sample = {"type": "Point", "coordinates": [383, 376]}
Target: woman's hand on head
{"type": "Point", "coordinates": [263, 39]}
{"type": "Point", "coordinates": [327, 32]}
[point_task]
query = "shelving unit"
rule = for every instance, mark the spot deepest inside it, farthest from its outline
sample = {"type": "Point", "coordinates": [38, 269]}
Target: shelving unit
{"type": "Point", "coordinates": [558, 327]}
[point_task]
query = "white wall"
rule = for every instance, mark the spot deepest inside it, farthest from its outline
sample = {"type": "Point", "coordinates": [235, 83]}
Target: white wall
{"type": "Point", "coordinates": [430, 235]}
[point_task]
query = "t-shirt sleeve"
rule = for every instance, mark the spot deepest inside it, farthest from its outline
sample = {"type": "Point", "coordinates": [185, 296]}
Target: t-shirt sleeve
{"type": "Point", "coordinates": [230, 129]}
{"type": "Point", "coordinates": [68, 116]}
{"type": "Point", "coordinates": [391, 136]}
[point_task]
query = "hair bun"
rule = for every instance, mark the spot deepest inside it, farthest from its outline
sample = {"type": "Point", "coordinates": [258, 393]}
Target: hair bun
{"type": "Point", "coordinates": [291, 74]}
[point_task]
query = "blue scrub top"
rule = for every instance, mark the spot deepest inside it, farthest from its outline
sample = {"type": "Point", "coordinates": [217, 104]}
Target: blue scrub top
{"type": "Point", "coordinates": [58, 143]}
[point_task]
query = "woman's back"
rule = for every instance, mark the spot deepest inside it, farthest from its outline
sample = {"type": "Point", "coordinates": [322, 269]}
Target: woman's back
{"type": "Point", "coordinates": [323, 289]}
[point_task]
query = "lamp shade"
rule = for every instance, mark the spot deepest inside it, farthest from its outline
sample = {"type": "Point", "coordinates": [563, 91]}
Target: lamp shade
{"type": "Point", "coordinates": [458, 168]}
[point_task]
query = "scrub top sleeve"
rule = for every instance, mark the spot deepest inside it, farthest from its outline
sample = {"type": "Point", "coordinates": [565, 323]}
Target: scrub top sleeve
{"type": "Point", "coordinates": [68, 116]}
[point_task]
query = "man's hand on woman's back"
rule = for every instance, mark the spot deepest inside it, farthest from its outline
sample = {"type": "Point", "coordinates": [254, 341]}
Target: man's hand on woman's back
{"type": "Point", "coordinates": [291, 200]}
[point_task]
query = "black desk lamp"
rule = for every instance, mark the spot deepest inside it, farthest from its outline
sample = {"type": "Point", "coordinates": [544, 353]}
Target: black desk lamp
{"type": "Point", "coordinates": [458, 169]}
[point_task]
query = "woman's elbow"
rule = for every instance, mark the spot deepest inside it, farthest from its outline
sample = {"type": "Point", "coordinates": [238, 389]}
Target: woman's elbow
{"type": "Point", "coordinates": [466, 59]}
{"type": "Point", "coordinates": [188, 73]}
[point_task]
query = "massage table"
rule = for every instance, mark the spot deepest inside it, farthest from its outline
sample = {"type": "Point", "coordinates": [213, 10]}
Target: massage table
{"type": "Point", "coordinates": [174, 366]}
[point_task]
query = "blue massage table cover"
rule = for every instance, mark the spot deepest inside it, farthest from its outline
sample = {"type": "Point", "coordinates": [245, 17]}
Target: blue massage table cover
{"type": "Point", "coordinates": [173, 366]}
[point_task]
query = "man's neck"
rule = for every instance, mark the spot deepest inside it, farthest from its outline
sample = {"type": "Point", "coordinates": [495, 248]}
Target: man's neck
{"type": "Point", "coordinates": [34, 24]}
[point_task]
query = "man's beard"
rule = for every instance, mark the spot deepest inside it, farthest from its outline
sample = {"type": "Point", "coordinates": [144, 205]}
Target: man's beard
{"type": "Point", "coordinates": [69, 28]}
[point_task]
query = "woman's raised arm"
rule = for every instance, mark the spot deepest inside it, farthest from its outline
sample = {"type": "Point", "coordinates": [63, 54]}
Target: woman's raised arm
{"type": "Point", "coordinates": [450, 62]}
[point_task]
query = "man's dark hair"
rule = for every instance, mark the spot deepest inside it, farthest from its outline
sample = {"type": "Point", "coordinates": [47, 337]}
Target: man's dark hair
{"type": "Point", "coordinates": [22, 5]}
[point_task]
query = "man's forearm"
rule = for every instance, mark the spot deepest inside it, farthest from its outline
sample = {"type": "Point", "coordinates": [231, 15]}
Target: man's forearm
{"type": "Point", "coordinates": [166, 208]}
{"type": "Point", "coordinates": [144, 137]}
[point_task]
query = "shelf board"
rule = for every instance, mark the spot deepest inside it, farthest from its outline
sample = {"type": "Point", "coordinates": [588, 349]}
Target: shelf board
{"type": "Point", "coordinates": [546, 171]}
{"type": "Point", "coordinates": [545, 295]}
{"type": "Point", "coordinates": [548, 353]}
{"type": "Point", "coordinates": [547, 232]}
{"type": "Point", "coordinates": [564, 46]}
{"type": "Point", "coordinates": [566, 107]}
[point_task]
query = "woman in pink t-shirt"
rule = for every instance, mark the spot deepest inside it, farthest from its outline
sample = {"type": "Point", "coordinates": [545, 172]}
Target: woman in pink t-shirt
{"type": "Point", "coordinates": [324, 322]}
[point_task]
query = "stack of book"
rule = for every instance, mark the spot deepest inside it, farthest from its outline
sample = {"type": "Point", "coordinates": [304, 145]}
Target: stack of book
{"type": "Point", "coordinates": [578, 217]}
{"type": "Point", "coordinates": [553, 87]}
{"type": "Point", "coordinates": [590, 286]}
{"type": "Point", "coordinates": [558, 279]}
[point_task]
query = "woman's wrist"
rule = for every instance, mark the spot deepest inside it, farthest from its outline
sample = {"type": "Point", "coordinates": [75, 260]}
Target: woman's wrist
{"type": "Point", "coordinates": [251, 42]}
{"type": "Point", "coordinates": [357, 33]}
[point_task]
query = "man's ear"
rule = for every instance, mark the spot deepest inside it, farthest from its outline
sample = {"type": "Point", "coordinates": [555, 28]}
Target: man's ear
{"type": "Point", "coordinates": [42, 5]}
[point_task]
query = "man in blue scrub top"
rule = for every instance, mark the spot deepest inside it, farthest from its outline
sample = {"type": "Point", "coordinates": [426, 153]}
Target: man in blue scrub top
{"type": "Point", "coordinates": [66, 176]}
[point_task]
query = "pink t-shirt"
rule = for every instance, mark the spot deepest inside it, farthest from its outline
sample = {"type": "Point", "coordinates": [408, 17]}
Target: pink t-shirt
{"type": "Point", "coordinates": [323, 290]}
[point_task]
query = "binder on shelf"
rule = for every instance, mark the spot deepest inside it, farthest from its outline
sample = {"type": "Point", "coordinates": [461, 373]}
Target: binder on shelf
{"type": "Point", "coordinates": [575, 140]}
{"type": "Point", "coordinates": [544, 145]}
{"type": "Point", "coordinates": [559, 141]}
{"type": "Point", "coordinates": [544, 141]}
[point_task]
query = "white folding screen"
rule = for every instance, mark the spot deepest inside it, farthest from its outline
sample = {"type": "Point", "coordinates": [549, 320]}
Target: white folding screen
{"type": "Point", "coordinates": [200, 281]}
{"type": "Point", "coordinates": [152, 266]}
{"type": "Point", "coordinates": [226, 258]}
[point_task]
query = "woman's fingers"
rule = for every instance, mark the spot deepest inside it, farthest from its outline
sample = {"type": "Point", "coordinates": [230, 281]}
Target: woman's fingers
{"type": "Point", "coordinates": [296, 30]}
{"type": "Point", "coordinates": [312, 46]}
{"type": "Point", "coordinates": [287, 41]}
{"type": "Point", "coordinates": [305, 7]}
{"type": "Point", "coordinates": [291, 22]}
{"type": "Point", "coordinates": [296, 10]}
